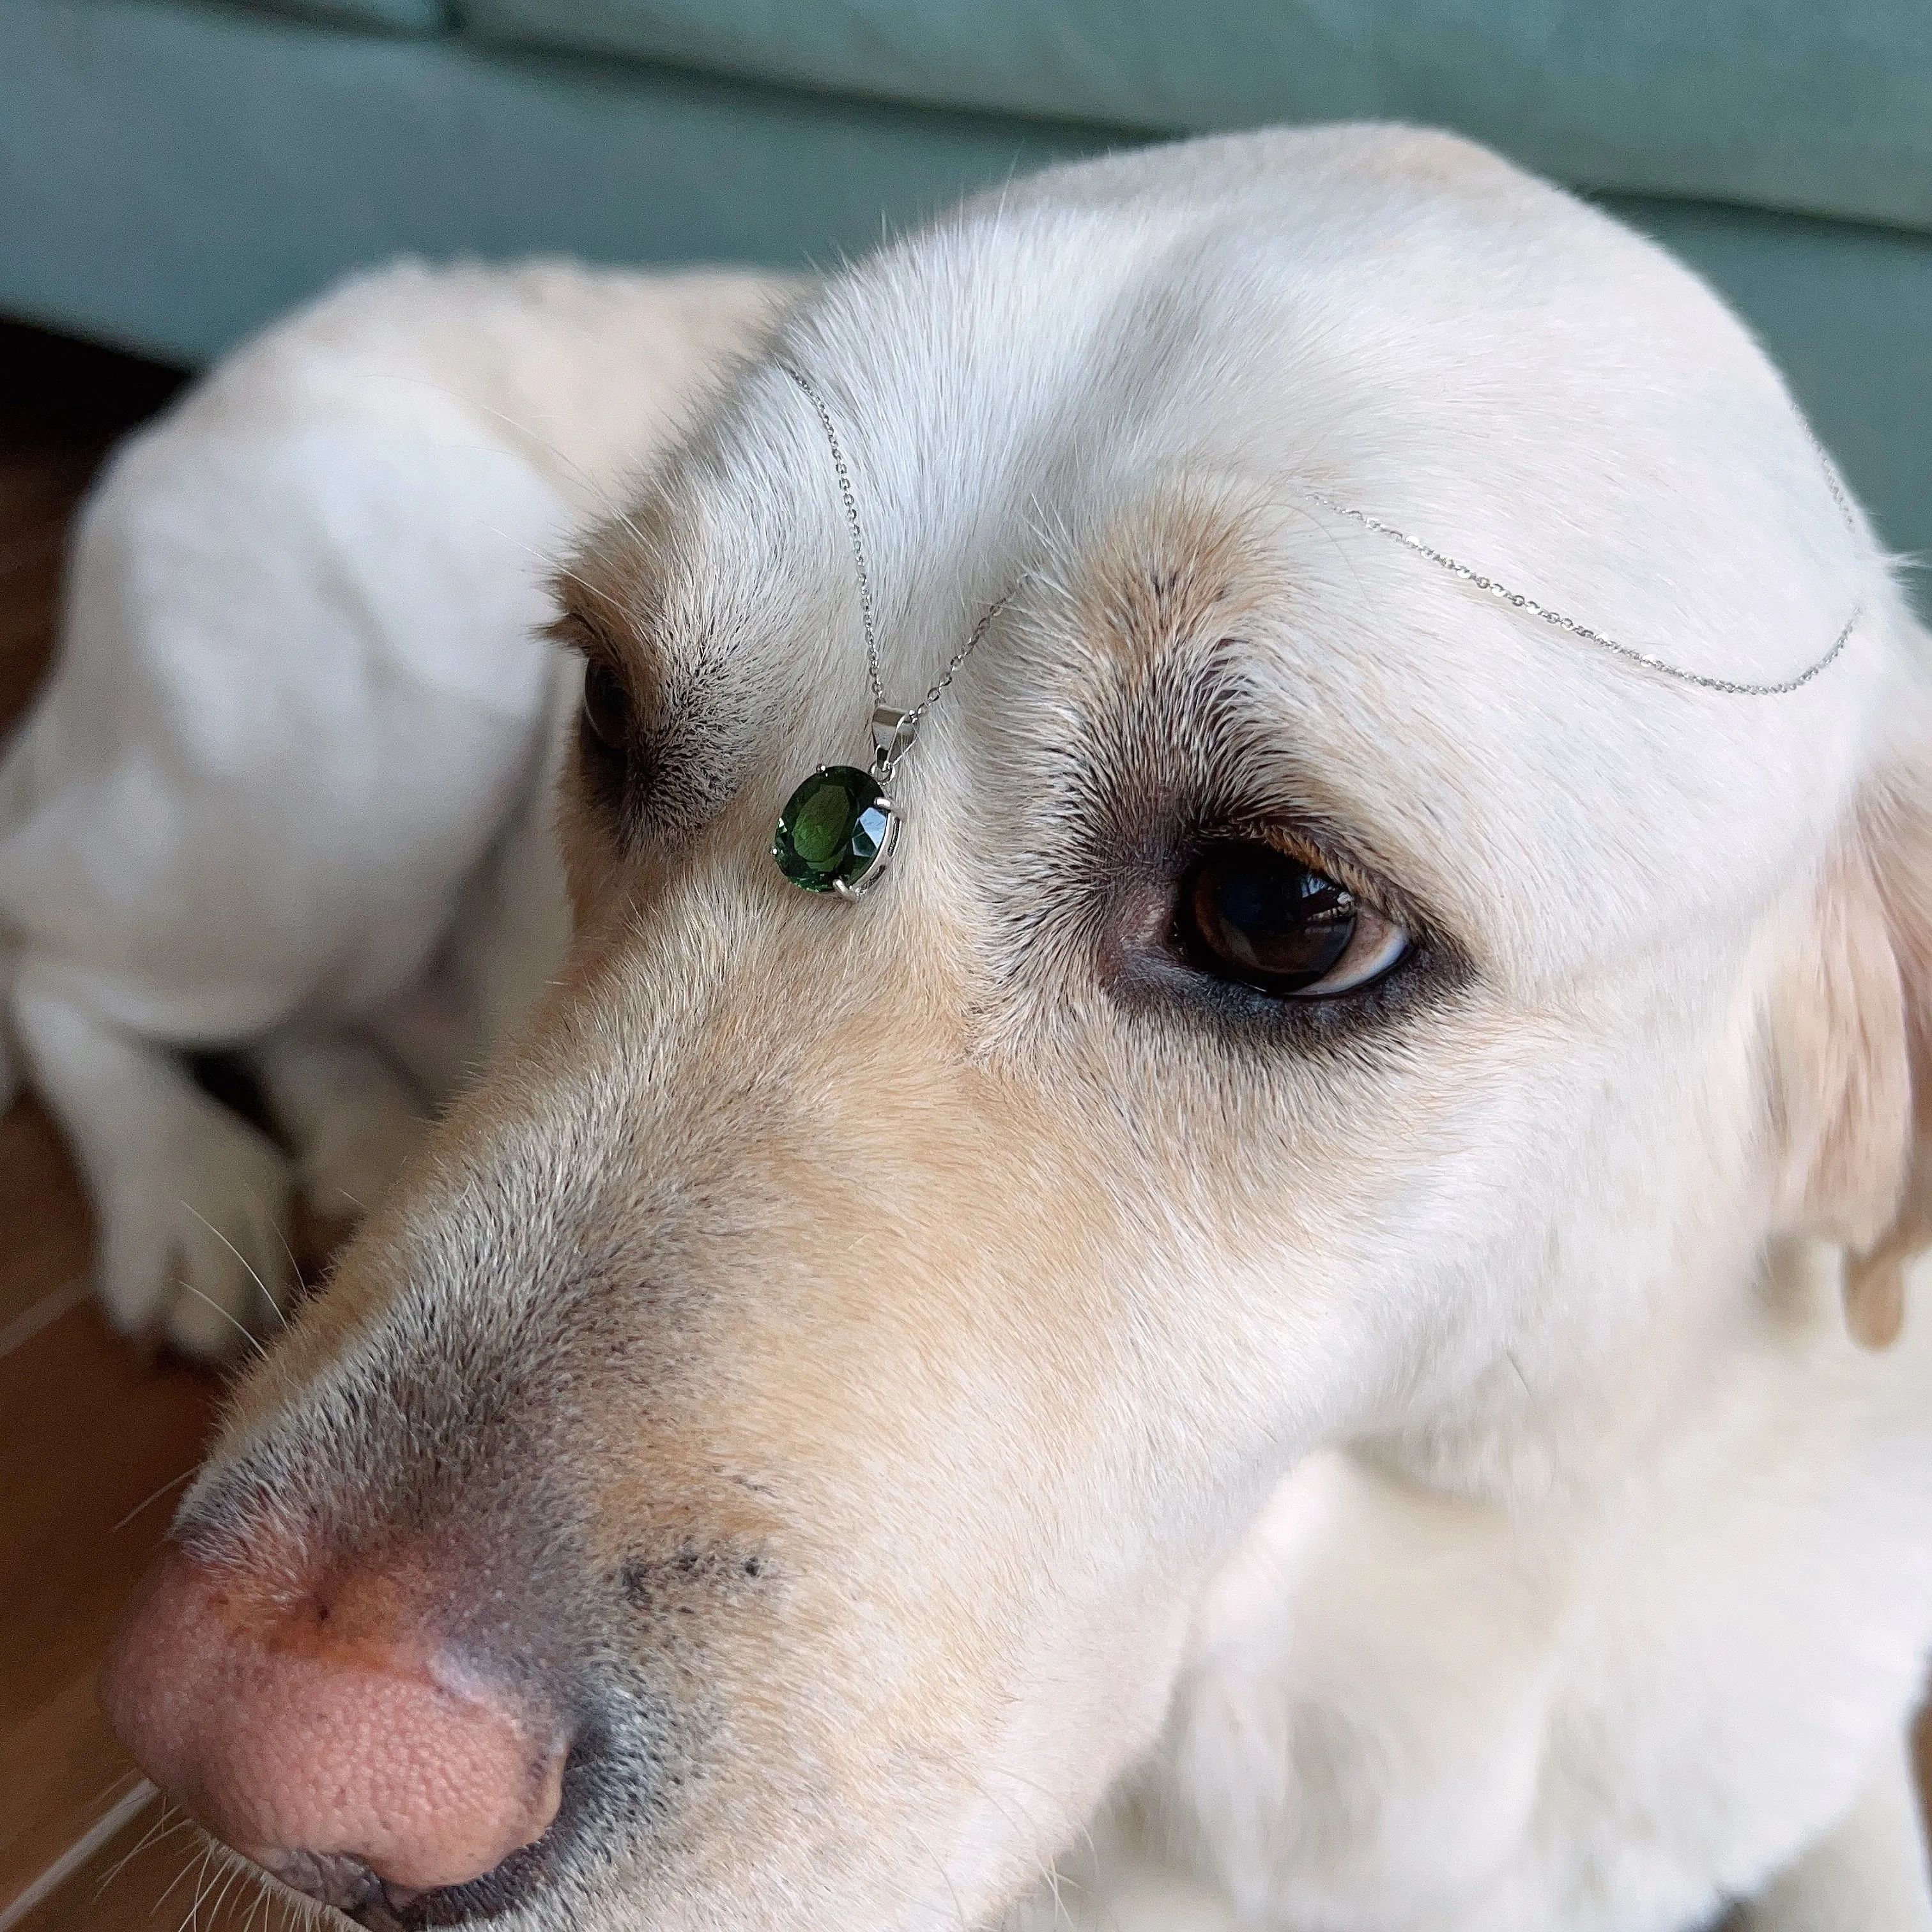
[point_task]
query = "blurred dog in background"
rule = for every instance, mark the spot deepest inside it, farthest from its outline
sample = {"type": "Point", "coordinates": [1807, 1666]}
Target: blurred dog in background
{"type": "Point", "coordinates": [287, 792]}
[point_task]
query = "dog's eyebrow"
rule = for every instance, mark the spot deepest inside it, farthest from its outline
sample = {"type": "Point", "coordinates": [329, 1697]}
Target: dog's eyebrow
{"type": "Point", "coordinates": [1164, 615]}
{"type": "Point", "coordinates": [575, 631]}
{"type": "Point", "coordinates": [1182, 743]}
{"type": "Point", "coordinates": [1163, 754]}
{"type": "Point", "coordinates": [617, 580]}
{"type": "Point", "coordinates": [606, 600]}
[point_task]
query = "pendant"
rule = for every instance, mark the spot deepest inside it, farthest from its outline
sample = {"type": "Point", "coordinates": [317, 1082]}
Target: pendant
{"type": "Point", "coordinates": [838, 829]}
{"type": "Point", "coordinates": [837, 832]}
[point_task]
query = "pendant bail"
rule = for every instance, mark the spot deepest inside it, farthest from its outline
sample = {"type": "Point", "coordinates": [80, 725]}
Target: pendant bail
{"type": "Point", "coordinates": [893, 731]}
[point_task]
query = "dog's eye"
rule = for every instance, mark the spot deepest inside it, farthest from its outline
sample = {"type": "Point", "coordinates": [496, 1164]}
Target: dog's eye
{"type": "Point", "coordinates": [1263, 919]}
{"type": "Point", "coordinates": [607, 707]}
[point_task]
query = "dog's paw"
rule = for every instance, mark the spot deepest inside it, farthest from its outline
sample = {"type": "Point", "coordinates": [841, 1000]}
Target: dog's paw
{"type": "Point", "coordinates": [350, 1166]}
{"type": "Point", "coordinates": [192, 1248]}
{"type": "Point", "coordinates": [351, 1117]}
{"type": "Point", "coordinates": [338, 1186]}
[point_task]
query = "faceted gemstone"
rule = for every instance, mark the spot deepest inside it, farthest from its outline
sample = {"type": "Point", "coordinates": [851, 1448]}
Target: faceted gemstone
{"type": "Point", "coordinates": [834, 830]}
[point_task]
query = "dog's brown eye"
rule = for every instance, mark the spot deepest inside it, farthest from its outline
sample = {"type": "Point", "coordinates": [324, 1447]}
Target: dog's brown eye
{"type": "Point", "coordinates": [1250, 913]}
{"type": "Point", "coordinates": [607, 707]}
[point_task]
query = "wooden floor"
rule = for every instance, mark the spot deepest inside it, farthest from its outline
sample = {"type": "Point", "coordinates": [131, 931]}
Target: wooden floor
{"type": "Point", "coordinates": [94, 1441]}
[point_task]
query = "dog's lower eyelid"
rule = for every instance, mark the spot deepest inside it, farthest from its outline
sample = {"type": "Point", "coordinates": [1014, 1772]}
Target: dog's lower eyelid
{"type": "Point", "coordinates": [1379, 946]}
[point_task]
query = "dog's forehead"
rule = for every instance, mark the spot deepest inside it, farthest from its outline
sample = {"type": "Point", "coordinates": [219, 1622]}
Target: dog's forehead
{"type": "Point", "coordinates": [1081, 404]}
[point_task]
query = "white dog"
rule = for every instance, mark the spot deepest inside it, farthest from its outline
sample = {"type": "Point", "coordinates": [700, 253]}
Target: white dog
{"type": "Point", "coordinates": [282, 791]}
{"type": "Point", "coordinates": [1300, 1310]}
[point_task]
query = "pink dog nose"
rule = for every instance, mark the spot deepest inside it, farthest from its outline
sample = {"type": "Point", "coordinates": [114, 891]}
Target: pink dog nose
{"type": "Point", "coordinates": [318, 1730]}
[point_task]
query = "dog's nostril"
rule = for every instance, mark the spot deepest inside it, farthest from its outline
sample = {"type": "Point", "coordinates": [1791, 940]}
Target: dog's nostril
{"type": "Point", "coordinates": [329, 1878]}
{"type": "Point", "coordinates": [353, 1888]}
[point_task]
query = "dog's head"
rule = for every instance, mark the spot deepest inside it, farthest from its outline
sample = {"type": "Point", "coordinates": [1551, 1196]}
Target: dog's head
{"type": "Point", "coordinates": [767, 1451]}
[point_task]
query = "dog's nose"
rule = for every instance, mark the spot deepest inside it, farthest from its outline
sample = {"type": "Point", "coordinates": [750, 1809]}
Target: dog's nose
{"type": "Point", "coordinates": [315, 1726]}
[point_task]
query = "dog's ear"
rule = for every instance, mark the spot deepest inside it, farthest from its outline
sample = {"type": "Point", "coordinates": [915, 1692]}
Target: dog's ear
{"type": "Point", "coordinates": [1852, 1026]}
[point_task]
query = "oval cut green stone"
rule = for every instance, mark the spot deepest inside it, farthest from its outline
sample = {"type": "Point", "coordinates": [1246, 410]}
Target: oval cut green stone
{"type": "Point", "coordinates": [832, 830]}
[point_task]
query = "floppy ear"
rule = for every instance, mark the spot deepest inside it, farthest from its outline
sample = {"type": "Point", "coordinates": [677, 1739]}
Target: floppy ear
{"type": "Point", "coordinates": [1852, 1026]}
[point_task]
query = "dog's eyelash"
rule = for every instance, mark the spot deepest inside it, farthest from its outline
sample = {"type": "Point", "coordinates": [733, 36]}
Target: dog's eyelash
{"type": "Point", "coordinates": [1311, 838]}
{"type": "Point", "coordinates": [576, 632]}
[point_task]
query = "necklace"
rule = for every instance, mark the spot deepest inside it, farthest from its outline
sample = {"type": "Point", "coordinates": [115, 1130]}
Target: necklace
{"type": "Point", "coordinates": [840, 829]}
{"type": "Point", "coordinates": [1649, 661]}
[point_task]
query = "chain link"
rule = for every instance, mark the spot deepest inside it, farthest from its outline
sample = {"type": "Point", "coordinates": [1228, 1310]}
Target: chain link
{"type": "Point", "coordinates": [846, 497]}
{"type": "Point", "coordinates": [960, 656]}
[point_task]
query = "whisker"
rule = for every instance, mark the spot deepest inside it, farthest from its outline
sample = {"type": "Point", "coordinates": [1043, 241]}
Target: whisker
{"type": "Point", "coordinates": [192, 1923]}
{"type": "Point", "coordinates": [260, 1903]}
{"type": "Point", "coordinates": [959, 1909]}
{"type": "Point", "coordinates": [295, 1269]}
{"type": "Point", "coordinates": [210, 1894]}
{"type": "Point", "coordinates": [159, 1834]}
{"type": "Point", "coordinates": [253, 1276]}
{"type": "Point", "coordinates": [601, 494]}
{"type": "Point", "coordinates": [207, 1853]}
{"type": "Point", "coordinates": [591, 483]}
{"type": "Point", "coordinates": [566, 575]}
{"type": "Point", "coordinates": [1049, 1873]}
{"type": "Point", "coordinates": [125, 1782]}
{"type": "Point", "coordinates": [172, 1482]}
{"type": "Point", "coordinates": [160, 1829]}
{"type": "Point", "coordinates": [1085, 1833]}
{"type": "Point", "coordinates": [226, 1874]}
{"type": "Point", "coordinates": [222, 1311]}
{"type": "Point", "coordinates": [231, 1877]}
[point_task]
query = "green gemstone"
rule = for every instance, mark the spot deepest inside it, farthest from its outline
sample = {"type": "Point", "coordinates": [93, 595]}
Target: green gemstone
{"type": "Point", "coordinates": [834, 830]}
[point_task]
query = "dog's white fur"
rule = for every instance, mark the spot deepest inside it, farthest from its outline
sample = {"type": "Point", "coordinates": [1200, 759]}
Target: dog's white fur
{"type": "Point", "coordinates": [284, 791]}
{"type": "Point", "coordinates": [1597, 1588]}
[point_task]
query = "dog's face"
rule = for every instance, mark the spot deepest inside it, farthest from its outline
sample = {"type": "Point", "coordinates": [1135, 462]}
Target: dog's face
{"type": "Point", "coordinates": [800, 1397]}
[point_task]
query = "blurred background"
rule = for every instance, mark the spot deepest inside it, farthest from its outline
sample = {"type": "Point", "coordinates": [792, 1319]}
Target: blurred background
{"type": "Point", "coordinates": [173, 173]}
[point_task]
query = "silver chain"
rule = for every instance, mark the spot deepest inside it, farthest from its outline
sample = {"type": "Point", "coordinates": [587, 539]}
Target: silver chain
{"type": "Point", "coordinates": [852, 520]}
{"type": "Point", "coordinates": [960, 656]}
{"type": "Point", "coordinates": [914, 717]}
{"type": "Point", "coordinates": [1530, 607]}
{"type": "Point", "coordinates": [1515, 599]}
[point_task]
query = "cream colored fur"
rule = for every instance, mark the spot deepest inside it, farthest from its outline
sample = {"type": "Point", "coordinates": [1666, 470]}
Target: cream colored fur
{"type": "Point", "coordinates": [1408, 1469]}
